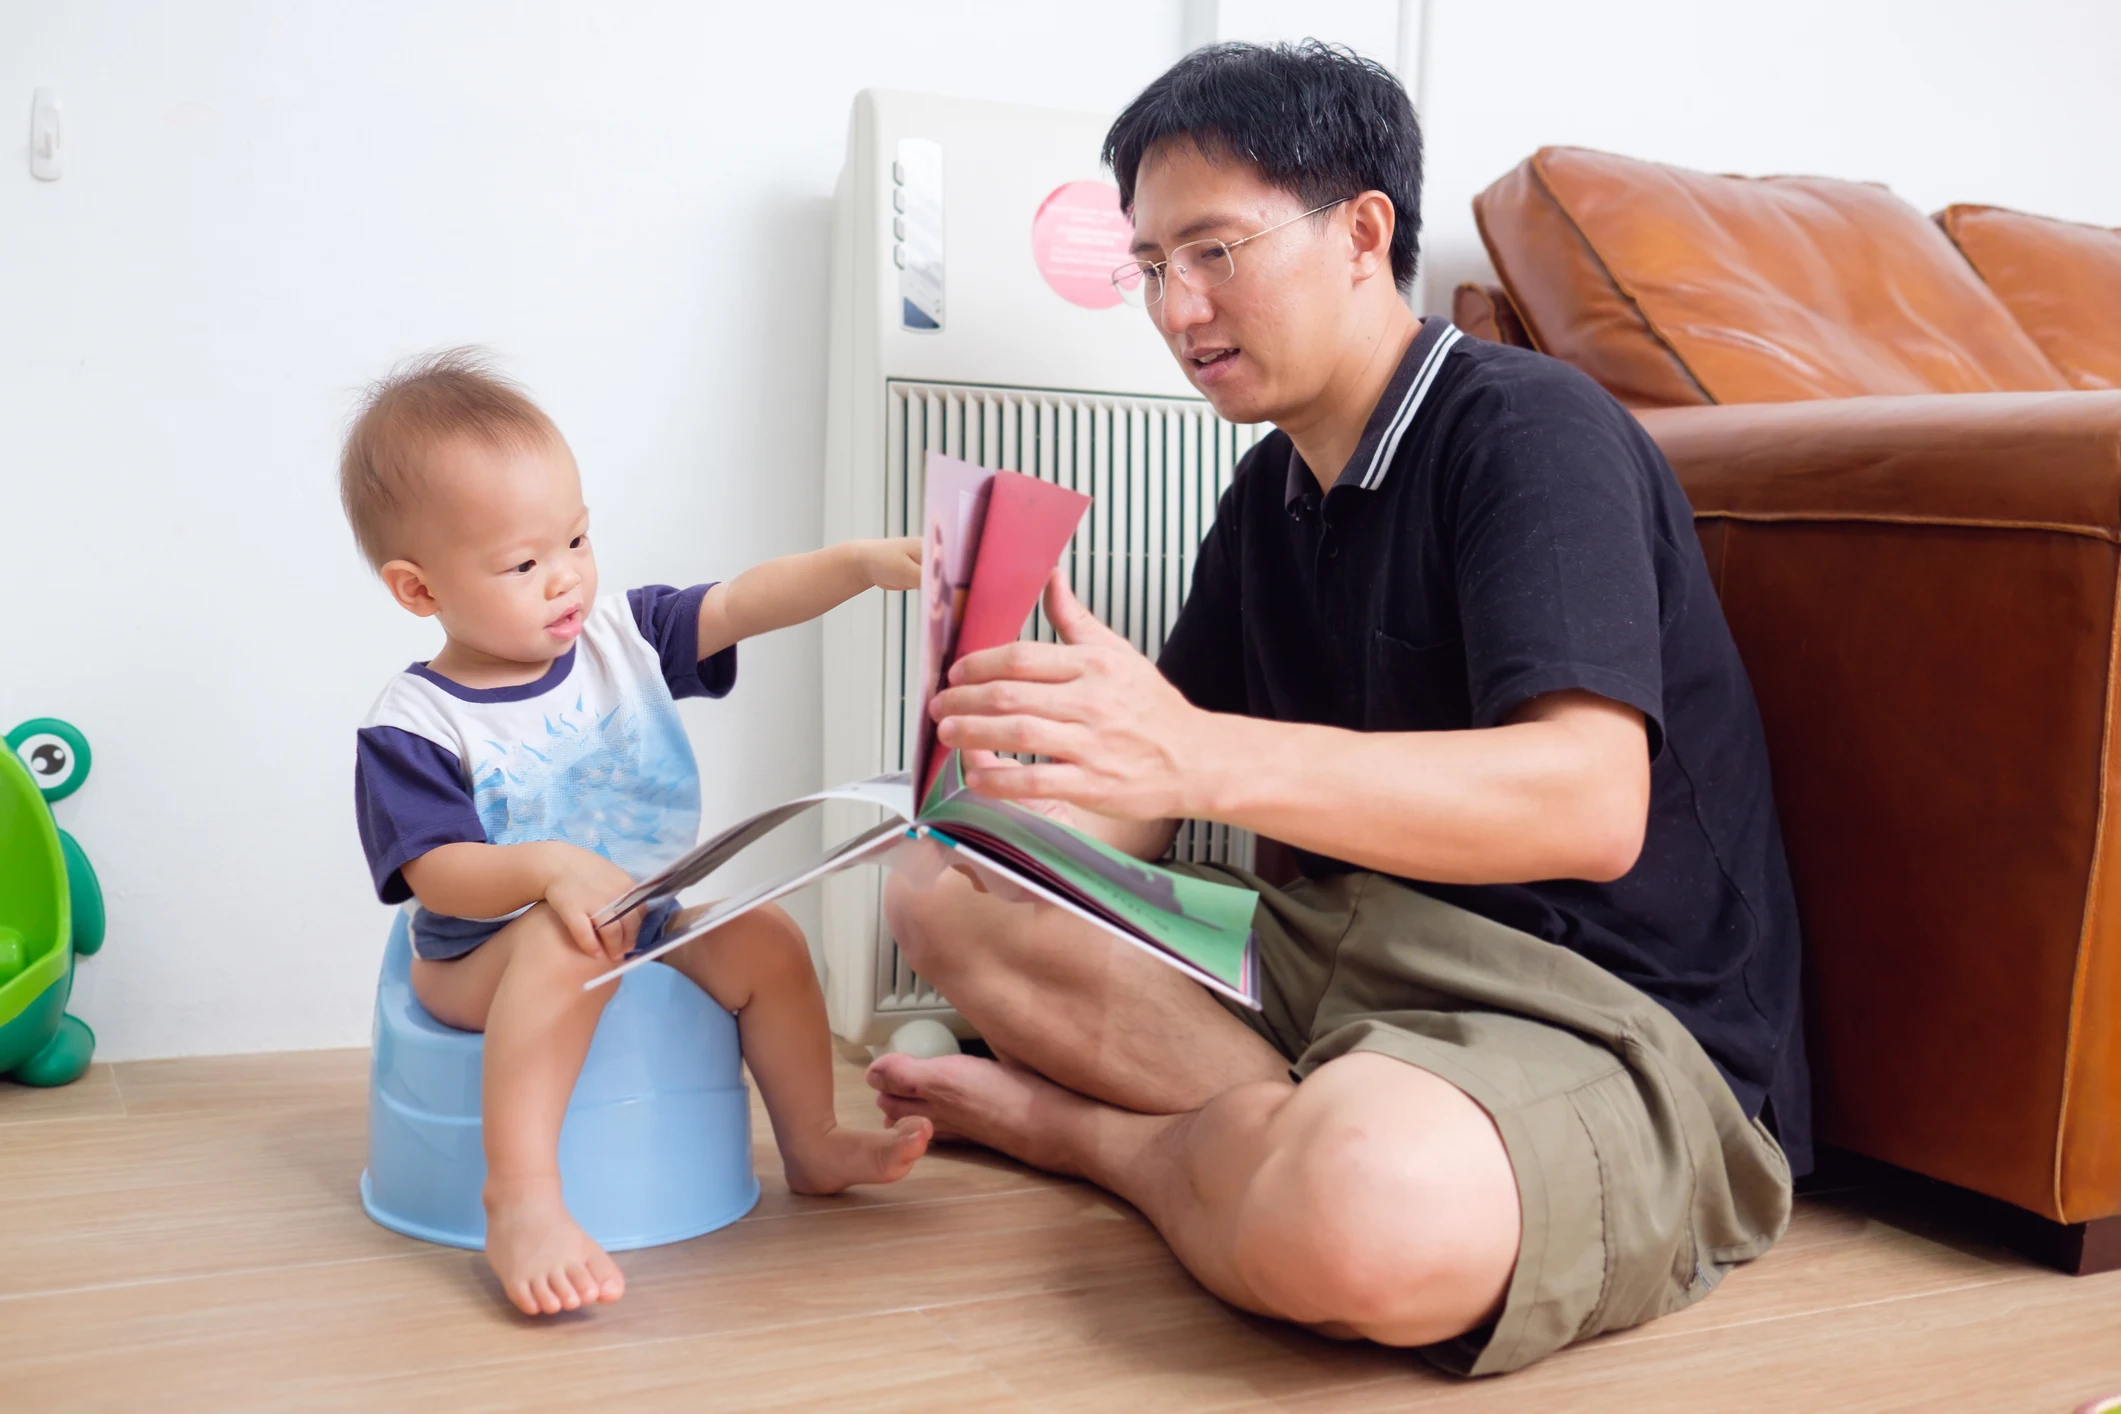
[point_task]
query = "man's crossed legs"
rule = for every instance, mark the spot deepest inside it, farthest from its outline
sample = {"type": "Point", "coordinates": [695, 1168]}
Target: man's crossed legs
{"type": "Point", "coordinates": [1373, 1200]}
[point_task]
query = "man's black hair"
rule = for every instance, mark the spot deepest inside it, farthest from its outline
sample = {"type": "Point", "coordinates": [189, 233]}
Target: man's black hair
{"type": "Point", "coordinates": [1316, 119]}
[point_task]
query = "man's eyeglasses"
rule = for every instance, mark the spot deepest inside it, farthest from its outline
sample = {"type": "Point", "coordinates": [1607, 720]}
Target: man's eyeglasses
{"type": "Point", "coordinates": [1198, 265]}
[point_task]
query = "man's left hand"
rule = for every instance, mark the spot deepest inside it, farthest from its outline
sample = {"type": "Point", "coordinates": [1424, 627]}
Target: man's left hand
{"type": "Point", "coordinates": [1118, 738]}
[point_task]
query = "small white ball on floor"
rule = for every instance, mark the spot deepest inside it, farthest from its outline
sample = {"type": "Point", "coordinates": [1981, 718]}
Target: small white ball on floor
{"type": "Point", "coordinates": [923, 1039]}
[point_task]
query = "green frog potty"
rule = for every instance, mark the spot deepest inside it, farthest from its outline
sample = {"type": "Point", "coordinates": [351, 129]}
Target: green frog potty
{"type": "Point", "coordinates": [51, 907]}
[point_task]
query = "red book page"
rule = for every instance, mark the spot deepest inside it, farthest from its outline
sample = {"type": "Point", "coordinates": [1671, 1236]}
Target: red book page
{"type": "Point", "coordinates": [1029, 523]}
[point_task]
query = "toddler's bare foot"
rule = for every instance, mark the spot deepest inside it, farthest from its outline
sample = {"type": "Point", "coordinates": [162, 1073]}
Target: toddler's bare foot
{"type": "Point", "coordinates": [545, 1261]}
{"type": "Point", "coordinates": [841, 1157]}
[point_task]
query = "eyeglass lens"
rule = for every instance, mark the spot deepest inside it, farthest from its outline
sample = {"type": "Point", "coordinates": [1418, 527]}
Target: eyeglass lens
{"type": "Point", "coordinates": [1200, 265]}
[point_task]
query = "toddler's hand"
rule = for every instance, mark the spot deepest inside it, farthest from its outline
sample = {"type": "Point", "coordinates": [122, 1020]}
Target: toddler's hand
{"type": "Point", "coordinates": [891, 564]}
{"type": "Point", "coordinates": [582, 885]}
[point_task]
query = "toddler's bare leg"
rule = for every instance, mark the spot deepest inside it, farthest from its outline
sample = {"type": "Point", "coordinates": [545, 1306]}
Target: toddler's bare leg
{"type": "Point", "coordinates": [758, 966]}
{"type": "Point", "coordinates": [523, 988]}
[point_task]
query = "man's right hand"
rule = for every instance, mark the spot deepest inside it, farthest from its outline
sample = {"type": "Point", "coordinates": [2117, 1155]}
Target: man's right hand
{"type": "Point", "coordinates": [1144, 839]}
{"type": "Point", "coordinates": [983, 761]}
{"type": "Point", "coordinates": [580, 885]}
{"type": "Point", "coordinates": [1115, 736]}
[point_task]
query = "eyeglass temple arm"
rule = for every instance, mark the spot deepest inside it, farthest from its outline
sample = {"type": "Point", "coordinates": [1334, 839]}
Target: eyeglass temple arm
{"type": "Point", "coordinates": [1232, 245]}
{"type": "Point", "coordinates": [1154, 270]}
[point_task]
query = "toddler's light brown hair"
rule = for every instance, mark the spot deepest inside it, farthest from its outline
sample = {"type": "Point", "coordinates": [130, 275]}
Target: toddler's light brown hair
{"type": "Point", "coordinates": [423, 404]}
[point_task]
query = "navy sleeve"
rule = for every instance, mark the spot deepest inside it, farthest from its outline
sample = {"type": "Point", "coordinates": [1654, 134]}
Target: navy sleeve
{"type": "Point", "coordinates": [1203, 655]}
{"type": "Point", "coordinates": [1555, 543]}
{"type": "Point", "coordinates": [670, 619]}
{"type": "Point", "coordinates": [409, 797]}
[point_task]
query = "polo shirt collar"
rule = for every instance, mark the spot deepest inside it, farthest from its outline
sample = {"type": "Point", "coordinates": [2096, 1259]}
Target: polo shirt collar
{"type": "Point", "coordinates": [1393, 415]}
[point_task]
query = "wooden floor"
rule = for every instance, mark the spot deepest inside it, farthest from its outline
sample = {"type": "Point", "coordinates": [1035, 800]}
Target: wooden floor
{"type": "Point", "coordinates": [186, 1234]}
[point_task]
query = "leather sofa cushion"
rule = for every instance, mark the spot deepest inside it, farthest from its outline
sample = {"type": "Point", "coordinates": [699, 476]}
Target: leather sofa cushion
{"type": "Point", "coordinates": [1485, 312]}
{"type": "Point", "coordinates": [1673, 287]}
{"type": "Point", "coordinates": [2062, 282]}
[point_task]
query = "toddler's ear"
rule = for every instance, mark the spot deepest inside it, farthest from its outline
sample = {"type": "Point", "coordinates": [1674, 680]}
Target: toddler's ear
{"type": "Point", "coordinates": [407, 584]}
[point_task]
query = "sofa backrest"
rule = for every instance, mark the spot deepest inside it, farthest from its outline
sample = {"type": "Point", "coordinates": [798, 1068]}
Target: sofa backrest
{"type": "Point", "coordinates": [1673, 287]}
{"type": "Point", "coordinates": [2060, 280]}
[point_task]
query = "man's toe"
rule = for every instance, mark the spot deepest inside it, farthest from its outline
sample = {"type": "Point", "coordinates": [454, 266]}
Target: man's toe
{"type": "Point", "coordinates": [881, 1072]}
{"type": "Point", "coordinates": [897, 1075]}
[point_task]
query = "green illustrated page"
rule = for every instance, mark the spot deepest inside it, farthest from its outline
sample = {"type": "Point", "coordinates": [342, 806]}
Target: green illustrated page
{"type": "Point", "coordinates": [1204, 924]}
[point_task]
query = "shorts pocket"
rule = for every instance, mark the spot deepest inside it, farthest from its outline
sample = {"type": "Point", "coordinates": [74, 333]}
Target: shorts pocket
{"type": "Point", "coordinates": [1646, 1182]}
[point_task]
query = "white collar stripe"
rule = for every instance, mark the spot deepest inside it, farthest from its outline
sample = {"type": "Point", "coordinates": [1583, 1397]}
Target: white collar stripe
{"type": "Point", "coordinates": [1389, 442]}
{"type": "Point", "coordinates": [1388, 445]}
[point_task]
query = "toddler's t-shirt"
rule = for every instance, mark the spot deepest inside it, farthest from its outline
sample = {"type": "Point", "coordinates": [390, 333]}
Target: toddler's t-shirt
{"type": "Point", "coordinates": [591, 753]}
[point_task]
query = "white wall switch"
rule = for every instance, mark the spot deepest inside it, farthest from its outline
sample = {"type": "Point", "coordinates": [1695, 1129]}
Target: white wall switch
{"type": "Point", "coordinates": [44, 137]}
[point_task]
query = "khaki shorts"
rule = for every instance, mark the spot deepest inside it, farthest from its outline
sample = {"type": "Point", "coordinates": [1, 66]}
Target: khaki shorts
{"type": "Point", "coordinates": [1640, 1179]}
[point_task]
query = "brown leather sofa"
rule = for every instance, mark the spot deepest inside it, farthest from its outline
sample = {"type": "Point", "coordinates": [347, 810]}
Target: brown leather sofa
{"type": "Point", "coordinates": [2061, 281]}
{"type": "Point", "coordinates": [1914, 522]}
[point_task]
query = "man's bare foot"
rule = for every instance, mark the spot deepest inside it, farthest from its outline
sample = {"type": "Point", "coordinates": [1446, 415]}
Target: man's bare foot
{"type": "Point", "coordinates": [1003, 1107]}
{"type": "Point", "coordinates": [841, 1157]}
{"type": "Point", "coordinates": [546, 1263]}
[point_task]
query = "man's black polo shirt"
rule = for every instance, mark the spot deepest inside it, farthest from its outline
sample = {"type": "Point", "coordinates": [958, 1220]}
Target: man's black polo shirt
{"type": "Point", "coordinates": [1506, 529]}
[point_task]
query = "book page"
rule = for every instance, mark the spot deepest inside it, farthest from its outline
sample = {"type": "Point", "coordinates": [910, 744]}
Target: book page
{"type": "Point", "coordinates": [1205, 924]}
{"type": "Point", "coordinates": [863, 848]}
{"type": "Point", "coordinates": [1025, 525]}
{"type": "Point", "coordinates": [1237, 979]}
{"type": "Point", "coordinates": [953, 518]}
{"type": "Point", "coordinates": [892, 793]}
{"type": "Point", "coordinates": [1029, 524]}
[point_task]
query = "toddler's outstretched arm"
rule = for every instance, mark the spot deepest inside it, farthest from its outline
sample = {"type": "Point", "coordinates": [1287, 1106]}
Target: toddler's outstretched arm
{"type": "Point", "coordinates": [797, 588]}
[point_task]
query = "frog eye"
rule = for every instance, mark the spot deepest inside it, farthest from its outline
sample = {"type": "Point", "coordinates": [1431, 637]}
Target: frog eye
{"type": "Point", "coordinates": [56, 754]}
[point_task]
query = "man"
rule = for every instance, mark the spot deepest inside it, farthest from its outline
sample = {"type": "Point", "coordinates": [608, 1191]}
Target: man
{"type": "Point", "coordinates": [1530, 1025]}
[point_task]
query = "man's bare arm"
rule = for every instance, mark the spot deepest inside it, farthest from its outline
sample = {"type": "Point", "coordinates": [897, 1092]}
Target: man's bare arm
{"type": "Point", "coordinates": [1561, 791]}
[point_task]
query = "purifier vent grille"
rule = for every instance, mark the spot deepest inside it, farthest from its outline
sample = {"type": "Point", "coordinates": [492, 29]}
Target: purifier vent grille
{"type": "Point", "coordinates": [1155, 469]}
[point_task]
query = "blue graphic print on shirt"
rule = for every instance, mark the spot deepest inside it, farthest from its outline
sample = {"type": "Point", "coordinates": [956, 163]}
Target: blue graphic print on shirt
{"type": "Point", "coordinates": [623, 785]}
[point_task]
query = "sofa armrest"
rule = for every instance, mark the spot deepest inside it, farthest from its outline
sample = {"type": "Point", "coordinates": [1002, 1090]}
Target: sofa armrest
{"type": "Point", "coordinates": [1923, 591]}
{"type": "Point", "coordinates": [2025, 459]}
{"type": "Point", "coordinates": [2028, 458]}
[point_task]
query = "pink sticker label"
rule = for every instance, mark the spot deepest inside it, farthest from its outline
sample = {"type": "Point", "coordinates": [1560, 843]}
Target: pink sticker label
{"type": "Point", "coordinates": [1078, 238]}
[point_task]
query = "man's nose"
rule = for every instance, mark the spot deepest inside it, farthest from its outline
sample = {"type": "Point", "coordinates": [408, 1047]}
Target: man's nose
{"type": "Point", "coordinates": [1183, 307]}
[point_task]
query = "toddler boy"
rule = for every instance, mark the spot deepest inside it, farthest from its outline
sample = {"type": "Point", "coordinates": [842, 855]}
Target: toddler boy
{"type": "Point", "coordinates": [523, 778]}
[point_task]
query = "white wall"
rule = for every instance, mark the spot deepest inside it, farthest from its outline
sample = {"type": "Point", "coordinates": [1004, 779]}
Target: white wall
{"type": "Point", "coordinates": [1942, 100]}
{"type": "Point", "coordinates": [265, 204]}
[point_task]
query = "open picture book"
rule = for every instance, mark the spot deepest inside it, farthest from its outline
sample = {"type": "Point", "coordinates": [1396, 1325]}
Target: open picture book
{"type": "Point", "coordinates": [991, 539]}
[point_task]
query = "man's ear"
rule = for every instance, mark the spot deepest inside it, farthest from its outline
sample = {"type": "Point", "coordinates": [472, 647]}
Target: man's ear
{"type": "Point", "coordinates": [407, 584]}
{"type": "Point", "coordinates": [1371, 222]}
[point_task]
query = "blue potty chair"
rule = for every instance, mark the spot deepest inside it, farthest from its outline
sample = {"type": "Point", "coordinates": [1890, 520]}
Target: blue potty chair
{"type": "Point", "coordinates": [656, 1146]}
